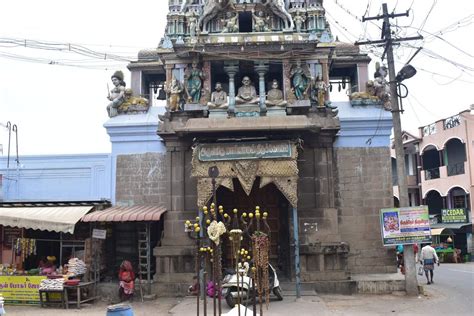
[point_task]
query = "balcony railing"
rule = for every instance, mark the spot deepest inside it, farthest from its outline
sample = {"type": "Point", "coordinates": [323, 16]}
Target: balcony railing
{"type": "Point", "coordinates": [432, 174]}
{"type": "Point", "coordinates": [452, 122]}
{"type": "Point", "coordinates": [455, 169]}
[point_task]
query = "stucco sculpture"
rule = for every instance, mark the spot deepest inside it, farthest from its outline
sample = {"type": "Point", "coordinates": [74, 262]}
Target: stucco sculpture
{"type": "Point", "coordinates": [300, 80]}
{"type": "Point", "coordinates": [174, 91]}
{"type": "Point", "coordinates": [194, 77]}
{"type": "Point", "coordinates": [275, 96]}
{"type": "Point", "coordinates": [230, 23]}
{"type": "Point", "coordinates": [260, 22]}
{"type": "Point", "coordinates": [211, 9]}
{"type": "Point", "coordinates": [247, 93]}
{"type": "Point", "coordinates": [278, 8]}
{"type": "Point", "coordinates": [117, 94]}
{"type": "Point", "coordinates": [218, 98]}
{"type": "Point", "coordinates": [377, 91]}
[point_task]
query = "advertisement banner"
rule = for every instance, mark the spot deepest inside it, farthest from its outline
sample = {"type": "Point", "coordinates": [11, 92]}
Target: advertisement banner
{"type": "Point", "coordinates": [20, 290]}
{"type": "Point", "coordinates": [406, 225]}
{"type": "Point", "coordinates": [456, 215]}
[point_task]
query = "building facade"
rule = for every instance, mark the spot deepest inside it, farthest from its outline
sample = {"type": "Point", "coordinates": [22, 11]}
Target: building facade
{"type": "Point", "coordinates": [440, 174]}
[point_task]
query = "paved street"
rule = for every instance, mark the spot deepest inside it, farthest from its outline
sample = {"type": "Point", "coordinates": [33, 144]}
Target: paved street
{"type": "Point", "coordinates": [451, 294]}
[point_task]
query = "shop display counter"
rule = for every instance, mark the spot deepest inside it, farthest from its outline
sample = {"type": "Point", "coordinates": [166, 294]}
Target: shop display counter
{"type": "Point", "coordinates": [76, 292]}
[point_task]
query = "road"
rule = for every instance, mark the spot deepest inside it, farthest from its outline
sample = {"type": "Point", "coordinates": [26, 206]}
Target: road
{"type": "Point", "coordinates": [451, 294]}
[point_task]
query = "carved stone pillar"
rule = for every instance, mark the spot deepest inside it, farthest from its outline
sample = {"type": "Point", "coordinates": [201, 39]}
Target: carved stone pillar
{"type": "Point", "coordinates": [286, 79]}
{"type": "Point", "coordinates": [325, 68]}
{"type": "Point", "coordinates": [231, 68]}
{"type": "Point", "coordinates": [206, 69]}
{"type": "Point", "coordinates": [169, 77]}
{"type": "Point", "coordinates": [262, 68]}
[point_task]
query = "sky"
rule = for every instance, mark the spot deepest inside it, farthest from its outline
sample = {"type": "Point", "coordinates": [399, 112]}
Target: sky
{"type": "Point", "coordinates": [58, 101]}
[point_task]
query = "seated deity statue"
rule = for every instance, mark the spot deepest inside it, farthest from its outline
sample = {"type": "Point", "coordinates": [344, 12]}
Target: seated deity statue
{"type": "Point", "coordinates": [218, 98]}
{"type": "Point", "coordinates": [275, 96]}
{"type": "Point", "coordinates": [247, 93]}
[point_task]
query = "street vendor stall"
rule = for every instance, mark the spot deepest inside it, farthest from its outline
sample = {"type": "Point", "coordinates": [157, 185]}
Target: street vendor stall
{"type": "Point", "coordinates": [36, 242]}
{"type": "Point", "coordinates": [443, 242]}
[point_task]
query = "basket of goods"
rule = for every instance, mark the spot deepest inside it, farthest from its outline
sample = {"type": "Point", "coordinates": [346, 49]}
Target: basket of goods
{"type": "Point", "coordinates": [51, 285]}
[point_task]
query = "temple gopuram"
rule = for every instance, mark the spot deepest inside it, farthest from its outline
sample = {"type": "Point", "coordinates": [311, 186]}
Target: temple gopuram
{"type": "Point", "coordinates": [248, 87]}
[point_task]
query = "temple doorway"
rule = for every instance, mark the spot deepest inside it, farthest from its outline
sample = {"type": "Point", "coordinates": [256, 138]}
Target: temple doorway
{"type": "Point", "coordinates": [270, 200]}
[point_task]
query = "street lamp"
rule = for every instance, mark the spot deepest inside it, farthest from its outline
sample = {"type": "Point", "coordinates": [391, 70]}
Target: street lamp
{"type": "Point", "coordinates": [406, 72]}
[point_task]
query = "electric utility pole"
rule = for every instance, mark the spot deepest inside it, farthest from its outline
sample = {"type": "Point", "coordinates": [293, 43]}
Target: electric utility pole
{"type": "Point", "coordinates": [411, 282]}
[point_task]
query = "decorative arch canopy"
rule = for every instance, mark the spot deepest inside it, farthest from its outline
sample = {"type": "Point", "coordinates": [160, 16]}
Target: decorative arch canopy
{"type": "Point", "coordinates": [272, 161]}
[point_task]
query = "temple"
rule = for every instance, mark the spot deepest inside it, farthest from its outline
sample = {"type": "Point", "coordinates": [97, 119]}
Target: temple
{"type": "Point", "coordinates": [248, 86]}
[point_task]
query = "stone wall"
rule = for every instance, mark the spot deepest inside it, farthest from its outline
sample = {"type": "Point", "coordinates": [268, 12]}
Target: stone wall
{"type": "Point", "coordinates": [142, 179]}
{"type": "Point", "coordinates": [363, 187]}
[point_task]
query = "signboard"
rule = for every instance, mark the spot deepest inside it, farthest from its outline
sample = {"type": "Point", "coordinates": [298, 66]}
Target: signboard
{"type": "Point", "coordinates": [10, 235]}
{"type": "Point", "coordinates": [407, 225]}
{"type": "Point", "coordinates": [456, 215]}
{"type": "Point", "coordinates": [248, 150]}
{"type": "Point", "coordinates": [20, 290]}
{"type": "Point", "coordinates": [99, 233]}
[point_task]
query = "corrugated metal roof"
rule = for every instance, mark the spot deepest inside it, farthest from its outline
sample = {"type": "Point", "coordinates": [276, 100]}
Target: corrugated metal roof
{"type": "Point", "coordinates": [139, 213]}
{"type": "Point", "coordinates": [58, 219]}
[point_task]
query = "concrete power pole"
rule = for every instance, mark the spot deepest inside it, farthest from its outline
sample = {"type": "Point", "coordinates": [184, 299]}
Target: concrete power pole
{"type": "Point", "coordinates": [411, 282]}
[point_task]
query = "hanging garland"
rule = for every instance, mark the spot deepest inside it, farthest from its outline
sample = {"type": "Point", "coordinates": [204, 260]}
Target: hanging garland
{"type": "Point", "coordinates": [261, 249]}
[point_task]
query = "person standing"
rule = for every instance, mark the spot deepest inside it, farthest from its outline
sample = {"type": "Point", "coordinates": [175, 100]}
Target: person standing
{"type": "Point", "coordinates": [428, 258]}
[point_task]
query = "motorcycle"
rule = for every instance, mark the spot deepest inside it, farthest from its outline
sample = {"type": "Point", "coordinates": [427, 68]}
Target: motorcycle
{"type": "Point", "coordinates": [231, 287]}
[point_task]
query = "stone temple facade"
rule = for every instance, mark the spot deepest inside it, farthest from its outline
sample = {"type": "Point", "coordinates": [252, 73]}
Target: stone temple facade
{"type": "Point", "coordinates": [248, 88]}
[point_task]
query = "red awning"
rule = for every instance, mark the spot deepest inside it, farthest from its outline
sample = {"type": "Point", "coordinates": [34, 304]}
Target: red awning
{"type": "Point", "coordinates": [139, 213]}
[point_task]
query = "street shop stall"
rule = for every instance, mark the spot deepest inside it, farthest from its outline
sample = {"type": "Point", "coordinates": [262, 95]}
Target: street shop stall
{"type": "Point", "coordinates": [443, 243]}
{"type": "Point", "coordinates": [39, 243]}
{"type": "Point", "coordinates": [128, 233]}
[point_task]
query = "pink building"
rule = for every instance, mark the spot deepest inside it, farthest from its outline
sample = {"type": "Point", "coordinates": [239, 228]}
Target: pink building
{"type": "Point", "coordinates": [440, 170]}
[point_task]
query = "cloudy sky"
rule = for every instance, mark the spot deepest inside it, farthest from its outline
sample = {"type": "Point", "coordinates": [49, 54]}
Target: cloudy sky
{"type": "Point", "coordinates": [57, 98]}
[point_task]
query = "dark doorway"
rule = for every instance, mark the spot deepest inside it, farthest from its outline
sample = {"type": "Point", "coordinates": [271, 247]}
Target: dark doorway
{"type": "Point", "coordinates": [245, 22]}
{"type": "Point", "coordinates": [271, 200]}
{"type": "Point", "coordinates": [435, 202]}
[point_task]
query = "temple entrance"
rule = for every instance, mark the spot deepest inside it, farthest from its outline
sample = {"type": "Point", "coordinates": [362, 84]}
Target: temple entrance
{"type": "Point", "coordinates": [271, 200]}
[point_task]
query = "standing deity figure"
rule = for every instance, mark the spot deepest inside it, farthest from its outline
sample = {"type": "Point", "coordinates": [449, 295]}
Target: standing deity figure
{"type": "Point", "coordinates": [319, 91]}
{"type": "Point", "coordinates": [299, 21]}
{"type": "Point", "coordinates": [247, 93]}
{"type": "Point", "coordinates": [174, 91]}
{"type": "Point", "coordinates": [194, 83]}
{"type": "Point", "coordinates": [278, 8]}
{"type": "Point", "coordinates": [218, 98]}
{"type": "Point", "coordinates": [299, 80]}
{"type": "Point", "coordinates": [260, 23]}
{"type": "Point", "coordinates": [117, 94]}
{"type": "Point", "coordinates": [381, 85]}
{"type": "Point", "coordinates": [192, 24]}
{"type": "Point", "coordinates": [275, 96]}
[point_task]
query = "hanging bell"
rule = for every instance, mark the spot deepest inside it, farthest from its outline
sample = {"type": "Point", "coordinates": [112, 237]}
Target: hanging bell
{"type": "Point", "coordinates": [161, 94]}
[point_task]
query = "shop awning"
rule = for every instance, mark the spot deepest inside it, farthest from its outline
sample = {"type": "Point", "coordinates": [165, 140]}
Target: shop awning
{"type": "Point", "coordinates": [441, 231]}
{"type": "Point", "coordinates": [139, 213]}
{"type": "Point", "coordinates": [449, 226]}
{"type": "Point", "coordinates": [61, 219]}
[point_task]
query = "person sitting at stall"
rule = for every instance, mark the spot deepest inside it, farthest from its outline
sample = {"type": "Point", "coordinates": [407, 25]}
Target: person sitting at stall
{"type": "Point", "coordinates": [48, 267]}
{"type": "Point", "coordinates": [127, 281]}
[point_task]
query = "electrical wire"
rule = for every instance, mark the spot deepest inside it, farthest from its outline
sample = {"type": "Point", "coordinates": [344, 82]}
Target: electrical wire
{"type": "Point", "coordinates": [427, 16]}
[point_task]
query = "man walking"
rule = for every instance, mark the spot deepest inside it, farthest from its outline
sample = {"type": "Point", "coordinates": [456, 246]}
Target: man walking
{"type": "Point", "coordinates": [428, 258]}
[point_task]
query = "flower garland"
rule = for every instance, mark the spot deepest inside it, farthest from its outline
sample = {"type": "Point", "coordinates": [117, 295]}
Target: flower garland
{"type": "Point", "coordinates": [215, 231]}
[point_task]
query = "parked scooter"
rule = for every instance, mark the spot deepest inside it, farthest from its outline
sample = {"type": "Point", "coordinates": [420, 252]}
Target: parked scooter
{"type": "Point", "coordinates": [230, 285]}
